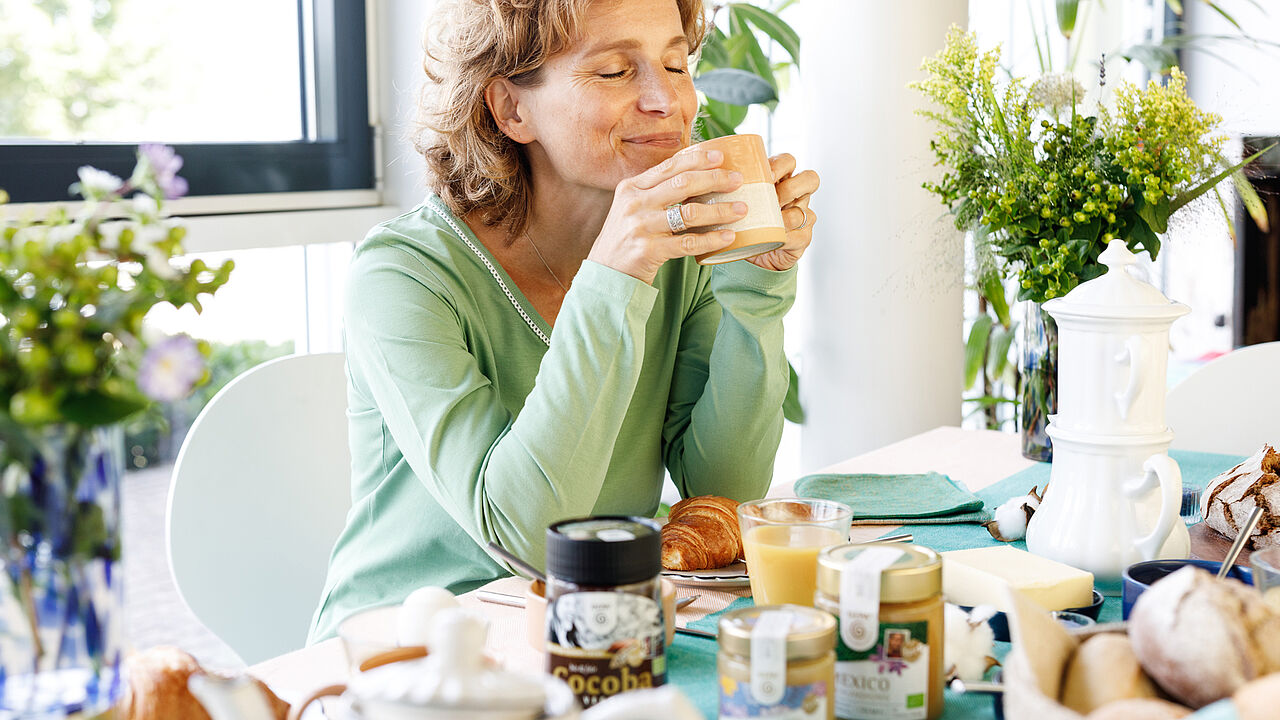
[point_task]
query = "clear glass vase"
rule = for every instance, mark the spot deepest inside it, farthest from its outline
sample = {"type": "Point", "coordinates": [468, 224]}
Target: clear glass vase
{"type": "Point", "coordinates": [61, 604]}
{"type": "Point", "coordinates": [1038, 382]}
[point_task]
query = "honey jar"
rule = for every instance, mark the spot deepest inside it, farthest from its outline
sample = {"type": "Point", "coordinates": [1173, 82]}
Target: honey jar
{"type": "Point", "coordinates": [777, 661]}
{"type": "Point", "coordinates": [886, 599]}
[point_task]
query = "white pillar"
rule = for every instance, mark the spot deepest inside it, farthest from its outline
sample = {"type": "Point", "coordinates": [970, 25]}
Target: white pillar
{"type": "Point", "coordinates": [400, 26]}
{"type": "Point", "coordinates": [882, 354]}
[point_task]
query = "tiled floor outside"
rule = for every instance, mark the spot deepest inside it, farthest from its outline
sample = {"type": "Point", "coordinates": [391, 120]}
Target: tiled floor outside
{"type": "Point", "coordinates": [154, 612]}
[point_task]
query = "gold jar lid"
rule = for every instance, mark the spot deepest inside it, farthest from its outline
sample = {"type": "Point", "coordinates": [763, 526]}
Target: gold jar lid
{"type": "Point", "coordinates": [812, 634]}
{"type": "Point", "coordinates": [915, 576]}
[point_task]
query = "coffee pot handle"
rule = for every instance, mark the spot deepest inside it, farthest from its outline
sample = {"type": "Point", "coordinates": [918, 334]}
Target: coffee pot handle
{"type": "Point", "coordinates": [1134, 354]}
{"type": "Point", "coordinates": [1162, 473]}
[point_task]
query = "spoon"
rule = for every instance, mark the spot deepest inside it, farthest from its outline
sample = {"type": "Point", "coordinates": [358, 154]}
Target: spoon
{"type": "Point", "coordinates": [528, 570]}
{"type": "Point", "coordinates": [1230, 560]}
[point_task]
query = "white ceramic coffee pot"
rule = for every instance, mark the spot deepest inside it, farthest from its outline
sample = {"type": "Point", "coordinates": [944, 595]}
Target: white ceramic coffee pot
{"type": "Point", "coordinates": [1114, 493]}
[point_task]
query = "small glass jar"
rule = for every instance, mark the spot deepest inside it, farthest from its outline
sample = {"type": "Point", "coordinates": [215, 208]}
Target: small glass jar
{"type": "Point", "coordinates": [889, 647]}
{"type": "Point", "coordinates": [604, 624]}
{"type": "Point", "coordinates": [777, 661]}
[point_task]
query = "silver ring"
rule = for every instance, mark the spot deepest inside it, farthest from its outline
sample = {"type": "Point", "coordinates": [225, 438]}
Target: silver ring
{"type": "Point", "coordinates": [803, 224]}
{"type": "Point", "coordinates": [675, 220]}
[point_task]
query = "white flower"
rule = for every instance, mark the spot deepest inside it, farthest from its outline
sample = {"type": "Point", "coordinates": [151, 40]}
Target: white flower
{"type": "Point", "coordinates": [146, 207]}
{"type": "Point", "coordinates": [98, 183]}
{"type": "Point", "coordinates": [157, 260]}
{"type": "Point", "coordinates": [170, 368]}
{"type": "Point", "coordinates": [1058, 90]}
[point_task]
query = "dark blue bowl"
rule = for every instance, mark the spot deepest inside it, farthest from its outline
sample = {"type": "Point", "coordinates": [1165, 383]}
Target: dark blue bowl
{"type": "Point", "coordinates": [1000, 623]}
{"type": "Point", "coordinates": [1139, 576]}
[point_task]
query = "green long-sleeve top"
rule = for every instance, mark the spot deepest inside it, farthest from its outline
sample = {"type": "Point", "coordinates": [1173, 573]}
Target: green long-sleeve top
{"type": "Point", "coordinates": [467, 426]}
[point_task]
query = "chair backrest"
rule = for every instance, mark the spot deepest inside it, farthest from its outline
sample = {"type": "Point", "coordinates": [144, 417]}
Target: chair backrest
{"type": "Point", "coordinates": [1231, 405]}
{"type": "Point", "coordinates": [260, 492]}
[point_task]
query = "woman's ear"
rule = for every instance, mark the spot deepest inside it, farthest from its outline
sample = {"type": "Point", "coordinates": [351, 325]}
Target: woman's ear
{"type": "Point", "coordinates": [503, 99]}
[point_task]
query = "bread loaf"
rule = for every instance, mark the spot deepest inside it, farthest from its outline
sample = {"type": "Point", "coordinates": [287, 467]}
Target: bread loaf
{"type": "Point", "coordinates": [1201, 638]}
{"type": "Point", "coordinates": [701, 534]}
{"type": "Point", "coordinates": [157, 688]}
{"type": "Point", "coordinates": [1230, 498]}
{"type": "Point", "coordinates": [1102, 670]}
{"type": "Point", "coordinates": [1259, 699]}
{"type": "Point", "coordinates": [1142, 709]}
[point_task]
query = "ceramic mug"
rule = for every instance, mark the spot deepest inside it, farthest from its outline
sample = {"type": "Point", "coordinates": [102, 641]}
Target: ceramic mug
{"type": "Point", "coordinates": [535, 614]}
{"type": "Point", "coordinates": [761, 230]}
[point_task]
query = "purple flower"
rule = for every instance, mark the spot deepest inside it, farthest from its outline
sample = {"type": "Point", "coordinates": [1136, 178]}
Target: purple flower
{"type": "Point", "coordinates": [170, 368]}
{"type": "Point", "coordinates": [164, 164]}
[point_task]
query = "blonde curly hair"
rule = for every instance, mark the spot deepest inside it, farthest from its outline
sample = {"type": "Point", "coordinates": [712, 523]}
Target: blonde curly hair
{"type": "Point", "coordinates": [470, 163]}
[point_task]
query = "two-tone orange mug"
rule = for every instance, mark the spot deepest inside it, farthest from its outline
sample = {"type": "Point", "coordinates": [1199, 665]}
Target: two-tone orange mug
{"type": "Point", "coordinates": [761, 230]}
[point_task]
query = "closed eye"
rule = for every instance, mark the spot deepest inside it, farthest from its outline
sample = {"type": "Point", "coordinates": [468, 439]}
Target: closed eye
{"type": "Point", "coordinates": [678, 71]}
{"type": "Point", "coordinates": [613, 75]}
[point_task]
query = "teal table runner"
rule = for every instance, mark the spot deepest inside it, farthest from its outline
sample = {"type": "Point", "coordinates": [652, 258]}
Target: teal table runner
{"type": "Point", "coordinates": [691, 661]}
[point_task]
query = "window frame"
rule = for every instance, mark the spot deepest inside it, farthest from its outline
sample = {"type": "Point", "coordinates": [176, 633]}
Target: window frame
{"type": "Point", "coordinates": [280, 175]}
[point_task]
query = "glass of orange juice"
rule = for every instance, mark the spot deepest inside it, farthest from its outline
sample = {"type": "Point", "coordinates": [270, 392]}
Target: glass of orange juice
{"type": "Point", "coordinates": [781, 539]}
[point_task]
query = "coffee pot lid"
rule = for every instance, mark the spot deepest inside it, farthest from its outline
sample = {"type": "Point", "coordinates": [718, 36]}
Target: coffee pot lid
{"type": "Point", "coordinates": [1116, 293]}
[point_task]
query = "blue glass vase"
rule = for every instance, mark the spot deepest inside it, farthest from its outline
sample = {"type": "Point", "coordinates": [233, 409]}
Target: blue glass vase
{"type": "Point", "coordinates": [61, 604]}
{"type": "Point", "coordinates": [1038, 382]}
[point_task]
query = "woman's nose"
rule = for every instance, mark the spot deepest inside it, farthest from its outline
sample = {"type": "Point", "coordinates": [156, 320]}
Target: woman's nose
{"type": "Point", "coordinates": [658, 93]}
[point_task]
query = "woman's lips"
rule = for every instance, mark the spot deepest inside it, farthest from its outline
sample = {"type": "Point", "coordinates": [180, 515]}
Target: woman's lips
{"type": "Point", "coordinates": [664, 140]}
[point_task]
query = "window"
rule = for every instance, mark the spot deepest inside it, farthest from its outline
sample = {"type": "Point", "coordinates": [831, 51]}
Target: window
{"type": "Point", "coordinates": [257, 97]}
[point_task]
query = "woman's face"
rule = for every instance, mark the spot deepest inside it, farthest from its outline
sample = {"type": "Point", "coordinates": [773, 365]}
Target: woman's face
{"type": "Point", "coordinates": [617, 102]}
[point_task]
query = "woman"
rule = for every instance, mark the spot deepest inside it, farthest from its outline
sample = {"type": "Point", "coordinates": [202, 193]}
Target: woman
{"type": "Point", "coordinates": [550, 132]}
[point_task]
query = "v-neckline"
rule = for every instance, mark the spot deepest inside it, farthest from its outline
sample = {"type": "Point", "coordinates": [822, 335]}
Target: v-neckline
{"type": "Point", "coordinates": [505, 283]}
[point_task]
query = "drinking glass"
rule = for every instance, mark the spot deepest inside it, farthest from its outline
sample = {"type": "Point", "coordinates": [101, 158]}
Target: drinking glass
{"type": "Point", "coordinates": [781, 538]}
{"type": "Point", "coordinates": [1266, 574]}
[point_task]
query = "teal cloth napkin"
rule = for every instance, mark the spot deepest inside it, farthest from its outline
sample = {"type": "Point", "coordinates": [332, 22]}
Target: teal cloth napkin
{"type": "Point", "coordinates": [931, 498]}
{"type": "Point", "coordinates": [691, 661]}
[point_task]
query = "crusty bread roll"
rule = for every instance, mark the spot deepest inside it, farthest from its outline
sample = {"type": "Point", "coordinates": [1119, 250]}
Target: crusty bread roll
{"type": "Point", "coordinates": [1201, 638]}
{"type": "Point", "coordinates": [157, 688]}
{"type": "Point", "coordinates": [1259, 699]}
{"type": "Point", "coordinates": [701, 534]}
{"type": "Point", "coordinates": [1102, 670]}
{"type": "Point", "coordinates": [1139, 709]}
{"type": "Point", "coordinates": [1230, 498]}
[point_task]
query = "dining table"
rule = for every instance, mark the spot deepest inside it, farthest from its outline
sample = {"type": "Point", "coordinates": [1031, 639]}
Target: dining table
{"type": "Point", "coordinates": [988, 463]}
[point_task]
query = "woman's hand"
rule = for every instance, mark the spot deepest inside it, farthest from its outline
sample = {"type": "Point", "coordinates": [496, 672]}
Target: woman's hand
{"type": "Point", "coordinates": [794, 192]}
{"type": "Point", "coordinates": [636, 238]}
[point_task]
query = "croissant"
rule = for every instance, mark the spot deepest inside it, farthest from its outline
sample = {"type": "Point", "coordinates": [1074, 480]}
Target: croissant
{"type": "Point", "coordinates": [701, 534]}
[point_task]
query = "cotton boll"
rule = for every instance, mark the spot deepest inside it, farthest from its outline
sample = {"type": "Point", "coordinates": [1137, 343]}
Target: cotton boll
{"type": "Point", "coordinates": [968, 642]}
{"type": "Point", "coordinates": [1011, 518]}
{"type": "Point", "coordinates": [413, 622]}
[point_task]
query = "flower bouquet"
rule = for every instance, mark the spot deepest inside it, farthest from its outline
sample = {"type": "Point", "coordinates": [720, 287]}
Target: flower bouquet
{"type": "Point", "coordinates": [1045, 183]}
{"type": "Point", "coordinates": [74, 363]}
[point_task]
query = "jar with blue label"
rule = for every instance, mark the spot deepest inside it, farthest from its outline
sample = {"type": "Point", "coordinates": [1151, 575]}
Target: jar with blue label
{"type": "Point", "coordinates": [777, 661]}
{"type": "Point", "coordinates": [886, 599]}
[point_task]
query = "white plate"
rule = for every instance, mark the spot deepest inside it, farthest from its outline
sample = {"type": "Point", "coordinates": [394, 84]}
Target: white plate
{"type": "Point", "coordinates": [734, 575]}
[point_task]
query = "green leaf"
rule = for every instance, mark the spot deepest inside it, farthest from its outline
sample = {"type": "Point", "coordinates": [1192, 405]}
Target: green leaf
{"type": "Point", "coordinates": [1202, 188]}
{"type": "Point", "coordinates": [975, 349]}
{"type": "Point", "coordinates": [714, 52]}
{"type": "Point", "coordinates": [1175, 6]}
{"type": "Point", "coordinates": [1067, 16]}
{"type": "Point", "coordinates": [791, 408]}
{"type": "Point", "coordinates": [998, 354]}
{"type": "Point", "coordinates": [1249, 198]}
{"type": "Point", "coordinates": [1141, 237]}
{"type": "Point", "coordinates": [1218, 9]}
{"type": "Point", "coordinates": [993, 290]}
{"type": "Point", "coordinates": [708, 127]}
{"type": "Point", "coordinates": [1155, 57]}
{"type": "Point", "coordinates": [734, 86]}
{"type": "Point", "coordinates": [747, 53]}
{"type": "Point", "coordinates": [773, 26]}
{"type": "Point", "coordinates": [729, 116]}
{"type": "Point", "coordinates": [1156, 216]}
{"type": "Point", "coordinates": [96, 407]}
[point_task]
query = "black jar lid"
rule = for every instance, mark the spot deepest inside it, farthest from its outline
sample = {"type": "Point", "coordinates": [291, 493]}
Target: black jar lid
{"type": "Point", "coordinates": [604, 550]}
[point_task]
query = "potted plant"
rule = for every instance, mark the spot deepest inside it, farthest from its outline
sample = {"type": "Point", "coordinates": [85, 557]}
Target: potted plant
{"type": "Point", "coordinates": [74, 363]}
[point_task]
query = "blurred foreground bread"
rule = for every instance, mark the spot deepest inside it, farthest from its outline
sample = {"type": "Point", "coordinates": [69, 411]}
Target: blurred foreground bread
{"type": "Point", "coordinates": [157, 688]}
{"type": "Point", "coordinates": [1230, 498]}
{"type": "Point", "coordinates": [1140, 709]}
{"type": "Point", "coordinates": [701, 534]}
{"type": "Point", "coordinates": [1102, 670]}
{"type": "Point", "coordinates": [1201, 638]}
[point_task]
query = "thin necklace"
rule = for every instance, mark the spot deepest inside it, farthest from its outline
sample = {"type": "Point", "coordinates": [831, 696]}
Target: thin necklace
{"type": "Point", "coordinates": [544, 262]}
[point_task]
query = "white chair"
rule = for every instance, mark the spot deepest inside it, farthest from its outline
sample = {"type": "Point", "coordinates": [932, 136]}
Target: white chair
{"type": "Point", "coordinates": [259, 494]}
{"type": "Point", "coordinates": [1231, 405]}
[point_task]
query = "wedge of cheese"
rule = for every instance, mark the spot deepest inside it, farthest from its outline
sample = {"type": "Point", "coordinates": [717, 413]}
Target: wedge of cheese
{"type": "Point", "coordinates": [980, 576]}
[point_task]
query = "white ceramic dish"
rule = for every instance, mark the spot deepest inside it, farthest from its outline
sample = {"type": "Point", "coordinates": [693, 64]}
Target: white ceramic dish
{"type": "Point", "coordinates": [730, 576]}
